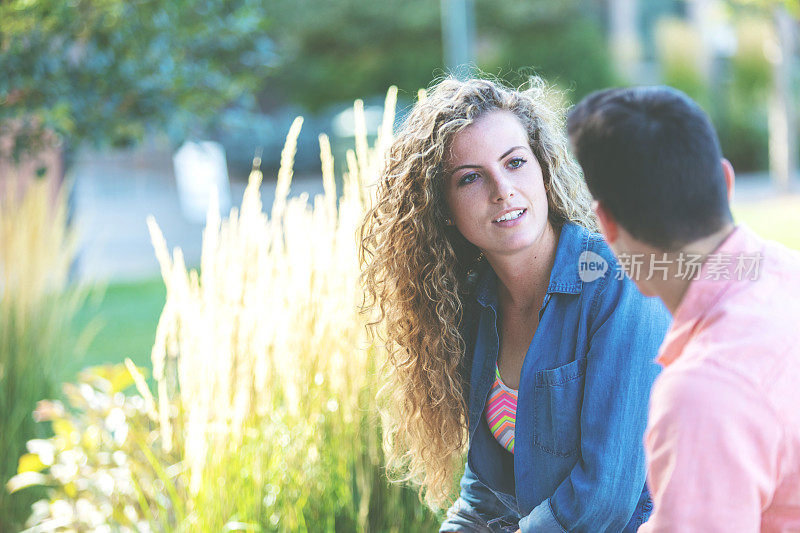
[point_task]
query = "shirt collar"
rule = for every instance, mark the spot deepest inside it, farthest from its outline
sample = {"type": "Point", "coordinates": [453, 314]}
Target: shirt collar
{"type": "Point", "coordinates": [564, 277]}
{"type": "Point", "coordinates": [703, 295]}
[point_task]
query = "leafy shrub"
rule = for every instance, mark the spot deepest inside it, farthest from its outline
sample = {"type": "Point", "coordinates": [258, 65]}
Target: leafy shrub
{"type": "Point", "coordinates": [105, 463]}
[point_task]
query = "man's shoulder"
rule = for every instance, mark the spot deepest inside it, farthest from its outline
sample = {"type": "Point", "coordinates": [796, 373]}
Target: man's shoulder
{"type": "Point", "coordinates": [752, 331]}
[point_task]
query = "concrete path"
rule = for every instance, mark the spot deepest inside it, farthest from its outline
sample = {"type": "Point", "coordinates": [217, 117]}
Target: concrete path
{"type": "Point", "coordinates": [115, 192]}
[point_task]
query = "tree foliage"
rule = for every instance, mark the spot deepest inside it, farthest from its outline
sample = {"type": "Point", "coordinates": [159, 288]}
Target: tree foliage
{"type": "Point", "coordinates": [336, 51]}
{"type": "Point", "coordinates": [332, 52]}
{"type": "Point", "coordinates": [106, 70]}
{"type": "Point", "coordinates": [561, 41]}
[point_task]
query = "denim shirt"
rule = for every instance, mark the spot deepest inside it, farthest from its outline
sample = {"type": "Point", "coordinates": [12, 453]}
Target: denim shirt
{"type": "Point", "coordinates": [582, 404]}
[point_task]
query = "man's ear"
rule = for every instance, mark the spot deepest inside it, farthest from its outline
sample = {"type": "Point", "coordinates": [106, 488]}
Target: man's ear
{"type": "Point", "coordinates": [608, 225]}
{"type": "Point", "coordinates": [730, 178]}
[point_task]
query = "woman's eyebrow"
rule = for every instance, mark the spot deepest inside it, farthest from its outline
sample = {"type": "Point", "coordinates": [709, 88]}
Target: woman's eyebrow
{"type": "Point", "coordinates": [509, 151]}
{"type": "Point", "coordinates": [463, 166]}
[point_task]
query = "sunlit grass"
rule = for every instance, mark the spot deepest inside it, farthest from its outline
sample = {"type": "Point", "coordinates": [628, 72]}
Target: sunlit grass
{"type": "Point", "coordinates": [36, 310]}
{"type": "Point", "coordinates": [776, 218]}
{"type": "Point", "coordinates": [266, 355]}
{"type": "Point", "coordinates": [125, 316]}
{"type": "Point", "coordinates": [263, 415]}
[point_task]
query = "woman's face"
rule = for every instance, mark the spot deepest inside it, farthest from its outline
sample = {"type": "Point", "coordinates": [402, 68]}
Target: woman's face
{"type": "Point", "coordinates": [494, 186]}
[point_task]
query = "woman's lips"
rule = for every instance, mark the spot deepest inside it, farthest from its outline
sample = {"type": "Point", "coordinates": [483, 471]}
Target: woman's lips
{"type": "Point", "coordinates": [512, 222]}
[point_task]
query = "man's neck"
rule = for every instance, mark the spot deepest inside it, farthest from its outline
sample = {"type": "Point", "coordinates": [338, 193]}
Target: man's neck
{"type": "Point", "coordinates": [674, 288]}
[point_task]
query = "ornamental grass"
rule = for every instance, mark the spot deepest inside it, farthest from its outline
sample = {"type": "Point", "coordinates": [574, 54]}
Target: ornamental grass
{"type": "Point", "coordinates": [37, 307]}
{"type": "Point", "coordinates": [264, 413]}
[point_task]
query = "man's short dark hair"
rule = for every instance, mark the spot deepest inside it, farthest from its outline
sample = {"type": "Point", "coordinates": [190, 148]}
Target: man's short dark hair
{"type": "Point", "coordinates": [651, 156]}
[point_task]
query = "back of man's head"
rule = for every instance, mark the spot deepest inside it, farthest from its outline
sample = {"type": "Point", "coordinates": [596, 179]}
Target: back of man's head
{"type": "Point", "coordinates": [651, 157]}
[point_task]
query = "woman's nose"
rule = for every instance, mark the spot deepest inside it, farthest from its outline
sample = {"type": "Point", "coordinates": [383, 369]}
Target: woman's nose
{"type": "Point", "coordinates": [503, 189]}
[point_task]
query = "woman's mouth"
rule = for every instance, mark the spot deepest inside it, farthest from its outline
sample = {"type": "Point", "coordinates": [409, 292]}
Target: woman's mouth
{"type": "Point", "coordinates": [510, 217]}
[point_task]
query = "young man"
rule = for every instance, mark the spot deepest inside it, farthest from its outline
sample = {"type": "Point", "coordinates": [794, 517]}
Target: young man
{"type": "Point", "coordinates": [723, 436]}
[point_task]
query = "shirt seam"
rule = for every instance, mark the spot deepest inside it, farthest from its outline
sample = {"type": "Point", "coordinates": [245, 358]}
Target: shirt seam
{"type": "Point", "coordinates": [553, 512]}
{"type": "Point", "coordinates": [594, 308]}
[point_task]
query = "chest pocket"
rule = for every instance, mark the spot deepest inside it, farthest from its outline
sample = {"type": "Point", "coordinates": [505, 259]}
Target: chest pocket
{"type": "Point", "coordinates": [558, 397]}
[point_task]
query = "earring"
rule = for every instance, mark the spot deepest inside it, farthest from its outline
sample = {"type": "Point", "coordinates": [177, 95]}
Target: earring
{"type": "Point", "coordinates": [448, 222]}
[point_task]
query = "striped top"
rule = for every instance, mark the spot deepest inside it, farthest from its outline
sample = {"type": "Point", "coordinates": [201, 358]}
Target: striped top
{"type": "Point", "coordinates": [501, 412]}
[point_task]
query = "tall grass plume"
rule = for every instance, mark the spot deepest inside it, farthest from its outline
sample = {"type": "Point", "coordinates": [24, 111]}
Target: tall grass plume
{"type": "Point", "coordinates": [36, 311]}
{"type": "Point", "coordinates": [264, 416]}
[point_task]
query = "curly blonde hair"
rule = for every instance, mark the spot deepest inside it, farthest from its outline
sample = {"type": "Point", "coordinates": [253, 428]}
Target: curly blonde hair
{"type": "Point", "coordinates": [414, 268]}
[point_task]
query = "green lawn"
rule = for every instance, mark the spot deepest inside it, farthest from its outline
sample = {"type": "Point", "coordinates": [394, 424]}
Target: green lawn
{"type": "Point", "coordinates": [773, 218]}
{"type": "Point", "coordinates": [126, 319]}
{"type": "Point", "coordinates": [128, 313]}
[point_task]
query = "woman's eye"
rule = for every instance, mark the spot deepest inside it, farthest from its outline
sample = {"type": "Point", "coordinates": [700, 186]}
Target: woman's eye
{"type": "Point", "coordinates": [516, 162]}
{"type": "Point", "coordinates": [468, 178]}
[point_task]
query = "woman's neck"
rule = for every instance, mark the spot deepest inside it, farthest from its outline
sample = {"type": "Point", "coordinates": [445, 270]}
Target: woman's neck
{"type": "Point", "coordinates": [524, 276]}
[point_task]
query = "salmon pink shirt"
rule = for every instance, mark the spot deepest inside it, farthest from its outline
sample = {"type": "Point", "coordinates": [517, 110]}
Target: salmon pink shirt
{"type": "Point", "coordinates": [723, 436]}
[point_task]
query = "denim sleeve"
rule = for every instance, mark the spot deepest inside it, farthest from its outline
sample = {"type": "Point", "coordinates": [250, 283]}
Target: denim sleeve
{"type": "Point", "coordinates": [475, 506]}
{"type": "Point", "coordinates": [602, 490]}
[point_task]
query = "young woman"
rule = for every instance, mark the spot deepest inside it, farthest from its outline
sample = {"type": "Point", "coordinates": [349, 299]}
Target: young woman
{"type": "Point", "coordinates": [507, 326]}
